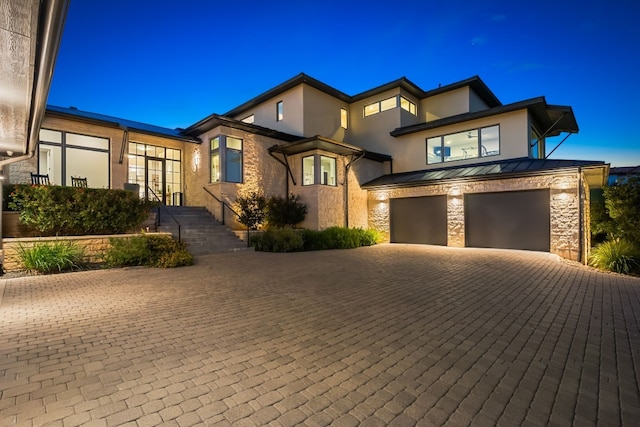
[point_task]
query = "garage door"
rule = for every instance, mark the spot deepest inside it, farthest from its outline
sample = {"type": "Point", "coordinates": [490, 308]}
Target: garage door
{"type": "Point", "coordinates": [419, 220]}
{"type": "Point", "coordinates": [508, 220]}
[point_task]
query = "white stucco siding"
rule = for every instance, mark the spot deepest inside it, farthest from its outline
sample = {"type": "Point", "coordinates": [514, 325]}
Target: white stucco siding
{"type": "Point", "coordinates": [322, 114]}
{"type": "Point", "coordinates": [265, 113]}
{"type": "Point", "coordinates": [409, 151]}
{"type": "Point", "coordinates": [446, 104]}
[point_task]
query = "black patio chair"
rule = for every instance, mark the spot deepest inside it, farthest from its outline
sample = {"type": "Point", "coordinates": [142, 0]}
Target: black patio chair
{"type": "Point", "coordinates": [38, 179]}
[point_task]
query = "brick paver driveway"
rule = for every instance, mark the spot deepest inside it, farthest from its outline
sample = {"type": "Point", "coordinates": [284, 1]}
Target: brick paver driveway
{"type": "Point", "coordinates": [387, 335]}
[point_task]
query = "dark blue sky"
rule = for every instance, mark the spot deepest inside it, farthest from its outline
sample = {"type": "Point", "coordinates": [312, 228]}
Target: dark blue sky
{"type": "Point", "coordinates": [171, 63]}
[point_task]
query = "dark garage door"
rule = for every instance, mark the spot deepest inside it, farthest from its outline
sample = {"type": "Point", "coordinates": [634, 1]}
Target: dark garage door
{"type": "Point", "coordinates": [419, 220]}
{"type": "Point", "coordinates": [508, 220]}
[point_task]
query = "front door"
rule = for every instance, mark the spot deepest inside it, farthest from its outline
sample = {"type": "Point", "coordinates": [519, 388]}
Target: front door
{"type": "Point", "coordinates": [155, 179]}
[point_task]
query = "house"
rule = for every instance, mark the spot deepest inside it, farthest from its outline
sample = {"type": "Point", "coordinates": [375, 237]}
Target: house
{"type": "Point", "coordinates": [620, 175]}
{"type": "Point", "coordinates": [449, 166]}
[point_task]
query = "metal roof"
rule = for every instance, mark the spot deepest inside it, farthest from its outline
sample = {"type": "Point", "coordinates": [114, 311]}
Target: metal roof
{"type": "Point", "coordinates": [557, 118]}
{"type": "Point", "coordinates": [119, 123]}
{"type": "Point", "coordinates": [488, 170]}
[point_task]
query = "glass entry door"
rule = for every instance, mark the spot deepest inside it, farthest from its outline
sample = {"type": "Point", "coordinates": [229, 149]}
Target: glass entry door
{"type": "Point", "coordinates": [156, 179]}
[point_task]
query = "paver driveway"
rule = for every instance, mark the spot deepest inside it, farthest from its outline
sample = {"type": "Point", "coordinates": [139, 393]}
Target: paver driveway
{"type": "Point", "coordinates": [386, 335]}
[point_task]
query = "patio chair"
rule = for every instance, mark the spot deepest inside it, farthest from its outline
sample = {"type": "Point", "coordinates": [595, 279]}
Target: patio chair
{"type": "Point", "coordinates": [38, 179]}
{"type": "Point", "coordinates": [76, 181]}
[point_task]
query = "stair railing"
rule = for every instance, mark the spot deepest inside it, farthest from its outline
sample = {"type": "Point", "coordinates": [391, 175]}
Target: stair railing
{"type": "Point", "coordinates": [162, 206]}
{"type": "Point", "coordinates": [225, 205]}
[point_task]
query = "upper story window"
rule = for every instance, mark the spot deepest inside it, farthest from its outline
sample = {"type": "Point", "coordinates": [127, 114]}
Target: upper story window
{"type": "Point", "coordinates": [226, 159]}
{"type": "Point", "coordinates": [344, 118]}
{"type": "Point", "coordinates": [249, 119]}
{"type": "Point", "coordinates": [409, 106]}
{"type": "Point", "coordinates": [536, 145]}
{"type": "Point", "coordinates": [390, 103]}
{"type": "Point", "coordinates": [471, 144]}
{"type": "Point", "coordinates": [318, 169]}
{"type": "Point", "coordinates": [279, 111]}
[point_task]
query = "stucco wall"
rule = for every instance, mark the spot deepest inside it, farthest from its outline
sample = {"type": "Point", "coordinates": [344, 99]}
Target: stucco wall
{"type": "Point", "coordinates": [372, 132]}
{"type": "Point", "coordinates": [565, 227]}
{"type": "Point", "coordinates": [322, 115]}
{"type": "Point", "coordinates": [265, 113]}
{"type": "Point", "coordinates": [446, 104]}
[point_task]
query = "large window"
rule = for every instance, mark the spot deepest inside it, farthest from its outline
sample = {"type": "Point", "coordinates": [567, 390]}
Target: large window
{"type": "Point", "coordinates": [326, 167]}
{"type": "Point", "coordinates": [226, 159]}
{"type": "Point", "coordinates": [63, 155]}
{"type": "Point", "coordinates": [158, 169]}
{"type": "Point", "coordinates": [470, 144]}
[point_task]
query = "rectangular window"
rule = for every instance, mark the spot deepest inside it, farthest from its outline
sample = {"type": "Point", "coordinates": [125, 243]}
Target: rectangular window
{"type": "Point", "coordinates": [62, 155]}
{"type": "Point", "coordinates": [371, 109]}
{"type": "Point", "coordinates": [308, 170]}
{"type": "Point", "coordinates": [535, 145]}
{"type": "Point", "coordinates": [407, 105]}
{"type": "Point", "coordinates": [249, 119]}
{"type": "Point", "coordinates": [226, 159]}
{"type": "Point", "coordinates": [279, 111]}
{"type": "Point", "coordinates": [215, 159]}
{"type": "Point", "coordinates": [389, 103]}
{"type": "Point", "coordinates": [343, 118]}
{"type": "Point", "coordinates": [233, 161]}
{"type": "Point", "coordinates": [471, 144]}
{"type": "Point", "coordinates": [327, 171]}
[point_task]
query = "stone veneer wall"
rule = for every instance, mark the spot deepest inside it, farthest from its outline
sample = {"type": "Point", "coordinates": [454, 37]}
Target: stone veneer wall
{"type": "Point", "coordinates": [94, 247]}
{"type": "Point", "coordinates": [566, 229]}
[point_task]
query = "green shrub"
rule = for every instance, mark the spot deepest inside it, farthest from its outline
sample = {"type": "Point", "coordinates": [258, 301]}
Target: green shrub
{"type": "Point", "coordinates": [147, 250]}
{"type": "Point", "coordinates": [620, 256]}
{"type": "Point", "coordinates": [51, 257]}
{"type": "Point", "coordinates": [280, 239]}
{"type": "Point", "coordinates": [285, 211]}
{"type": "Point", "coordinates": [56, 210]}
{"type": "Point", "coordinates": [253, 210]}
{"type": "Point", "coordinates": [339, 238]}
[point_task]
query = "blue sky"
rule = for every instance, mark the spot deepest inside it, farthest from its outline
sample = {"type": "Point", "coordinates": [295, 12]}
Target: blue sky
{"type": "Point", "coordinates": [171, 63]}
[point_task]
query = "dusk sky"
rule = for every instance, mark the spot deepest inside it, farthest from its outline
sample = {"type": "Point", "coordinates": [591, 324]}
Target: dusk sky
{"type": "Point", "coordinates": [171, 63]}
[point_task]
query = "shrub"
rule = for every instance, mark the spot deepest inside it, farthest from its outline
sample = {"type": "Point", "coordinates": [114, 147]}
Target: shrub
{"type": "Point", "coordinates": [51, 257]}
{"type": "Point", "coordinates": [147, 250]}
{"type": "Point", "coordinates": [279, 239]}
{"type": "Point", "coordinates": [339, 238]}
{"type": "Point", "coordinates": [252, 210]}
{"type": "Point", "coordinates": [620, 256]}
{"type": "Point", "coordinates": [55, 210]}
{"type": "Point", "coordinates": [622, 202]}
{"type": "Point", "coordinates": [285, 211]}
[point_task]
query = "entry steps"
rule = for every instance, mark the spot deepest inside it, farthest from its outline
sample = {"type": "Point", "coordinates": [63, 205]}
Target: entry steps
{"type": "Point", "coordinates": [202, 233]}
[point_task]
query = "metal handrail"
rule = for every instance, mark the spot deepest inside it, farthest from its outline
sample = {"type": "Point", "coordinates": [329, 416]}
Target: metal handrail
{"type": "Point", "coordinates": [224, 204]}
{"type": "Point", "coordinates": [172, 217]}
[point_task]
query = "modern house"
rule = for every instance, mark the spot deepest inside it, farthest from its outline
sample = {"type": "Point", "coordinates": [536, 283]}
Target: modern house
{"type": "Point", "coordinates": [449, 166]}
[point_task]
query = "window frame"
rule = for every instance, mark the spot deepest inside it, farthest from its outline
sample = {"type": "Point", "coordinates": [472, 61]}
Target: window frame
{"type": "Point", "coordinates": [444, 148]}
{"type": "Point", "coordinates": [344, 118]}
{"type": "Point", "coordinates": [411, 104]}
{"type": "Point", "coordinates": [379, 106]}
{"type": "Point", "coordinates": [279, 111]}
{"type": "Point", "coordinates": [317, 177]}
{"type": "Point", "coordinates": [223, 151]}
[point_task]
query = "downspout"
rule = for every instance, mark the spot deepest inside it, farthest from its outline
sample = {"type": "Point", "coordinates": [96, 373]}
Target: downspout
{"type": "Point", "coordinates": [50, 26]}
{"type": "Point", "coordinates": [347, 167]}
{"type": "Point", "coordinates": [583, 235]}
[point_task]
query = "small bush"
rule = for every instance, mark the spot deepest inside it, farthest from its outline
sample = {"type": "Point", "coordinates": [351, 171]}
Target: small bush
{"type": "Point", "coordinates": [284, 239]}
{"type": "Point", "coordinates": [51, 257]}
{"type": "Point", "coordinates": [253, 210]}
{"type": "Point", "coordinates": [620, 256]}
{"type": "Point", "coordinates": [285, 211]}
{"type": "Point", "coordinates": [147, 250]}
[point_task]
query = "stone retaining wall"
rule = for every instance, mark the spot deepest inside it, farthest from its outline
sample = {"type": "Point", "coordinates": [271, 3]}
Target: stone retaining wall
{"type": "Point", "coordinates": [94, 247]}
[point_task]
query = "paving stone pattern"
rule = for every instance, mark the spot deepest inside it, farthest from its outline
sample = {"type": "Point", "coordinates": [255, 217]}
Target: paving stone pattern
{"type": "Point", "coordinates": [394, 335]}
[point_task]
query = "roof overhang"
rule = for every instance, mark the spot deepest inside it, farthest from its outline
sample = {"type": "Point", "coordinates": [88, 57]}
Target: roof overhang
{"type": "Point", "coordinates": [329, 145]}
{"type": "Point", "coordinates": [554, 119]}
{"type": "Point", "coordinates": [596, 176]}
{"type": "Point", "coordinates": [30, 34]}
{"type": "Point", "coordinates": [215, 120]}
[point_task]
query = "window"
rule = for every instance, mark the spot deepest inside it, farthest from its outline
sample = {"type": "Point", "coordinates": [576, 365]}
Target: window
{"type": "Point", "coordinates": [226, 159]}
{"type": "Point", "coordinates": [343, 118]}
{"type": "Point", "coordinates": [536, 145]}
{"type": "Point", "coordinates": [379, 106]}
{"type": "Point", "coordinates": [407, 105]}
{"type": "Point", "coordinates": [279, 111]}
{"type": "Point", "coordinates": [249, 119]}
{"type": "Point", "coordinates": [159, 168]}
{"type": "Point", "coordinates": [327, 170]}
{"type": "Point", "coordinates": [308, 176]}
{"type": "Point", "coordinates": [470, 144]}
{"type": "Point", "coordinates": [62, 155]}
